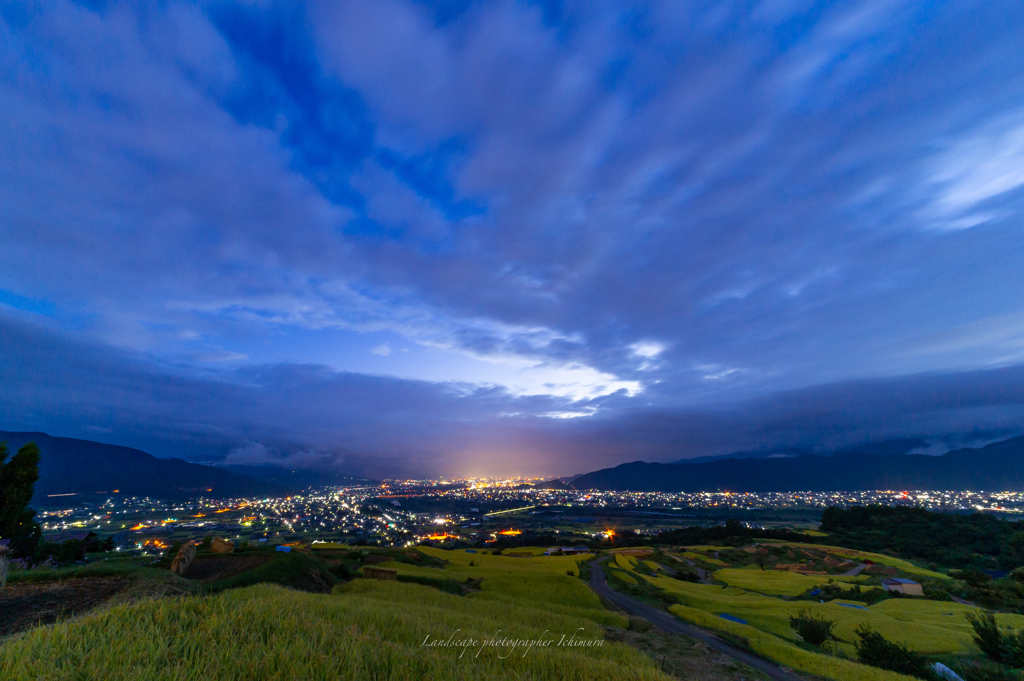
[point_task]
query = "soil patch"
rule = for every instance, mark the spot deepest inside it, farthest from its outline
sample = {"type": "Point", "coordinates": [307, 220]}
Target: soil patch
{"type": "Point", "coordinates": [212, 568]}
{"type": "Point", "coordinates": [25, 605]}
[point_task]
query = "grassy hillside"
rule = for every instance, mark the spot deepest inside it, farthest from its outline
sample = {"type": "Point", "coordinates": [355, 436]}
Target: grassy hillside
{"type": "Point", "coordinates": [364, 629]}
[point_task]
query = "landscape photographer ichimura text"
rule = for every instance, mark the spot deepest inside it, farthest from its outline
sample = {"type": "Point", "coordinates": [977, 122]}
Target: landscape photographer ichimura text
{"type": "Point", "coordinates": [506, 646]}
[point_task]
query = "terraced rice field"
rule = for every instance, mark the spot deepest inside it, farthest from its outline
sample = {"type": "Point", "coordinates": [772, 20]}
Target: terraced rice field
{"type": "Point", "coordinates": [776, 582]}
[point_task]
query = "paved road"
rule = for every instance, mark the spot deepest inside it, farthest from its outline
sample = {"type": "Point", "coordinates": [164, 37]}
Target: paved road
{"type": "Point", "coordinates": [667, 622]}
{"type": "Point", "coordinates": [853, 572]}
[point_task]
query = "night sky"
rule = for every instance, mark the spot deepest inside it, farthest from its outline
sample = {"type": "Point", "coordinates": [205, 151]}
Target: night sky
{"type": "Point", "coordinates": [409, 238]}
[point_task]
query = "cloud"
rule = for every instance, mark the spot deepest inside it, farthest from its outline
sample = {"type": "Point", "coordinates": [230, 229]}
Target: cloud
{"type": "Point", "coordinates": [220, 356]}
{"type": "Point", "coordinates": [258, 454]}
{"type": "Point", "coordinates": [621, 213]}
{"type": "Point", "coordinates": [981, 166]}
{"type": "Point", "coordinates": [648, 349]}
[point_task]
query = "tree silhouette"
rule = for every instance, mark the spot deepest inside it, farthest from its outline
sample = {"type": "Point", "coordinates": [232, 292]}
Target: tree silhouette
{"type": "Point", "coordinates": [17, 484]}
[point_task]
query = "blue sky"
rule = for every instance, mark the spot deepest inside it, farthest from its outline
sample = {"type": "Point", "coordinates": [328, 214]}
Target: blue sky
{"type": "Point", "coordinates": [416, 238]}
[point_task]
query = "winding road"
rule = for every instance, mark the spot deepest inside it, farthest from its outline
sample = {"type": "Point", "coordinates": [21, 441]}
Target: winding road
{"type": "Point", "coordinates": [667, 622]}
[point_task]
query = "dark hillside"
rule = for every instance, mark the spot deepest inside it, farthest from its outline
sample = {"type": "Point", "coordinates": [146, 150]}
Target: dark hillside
{"type": "Point", "coordinates": [999, 466]}
{"type": "Point", "coordinates": [70, 466]}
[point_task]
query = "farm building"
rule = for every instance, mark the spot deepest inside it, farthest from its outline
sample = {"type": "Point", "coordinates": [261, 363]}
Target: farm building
{"type": "Point", "coordinates": [566, 550]}
{"type": "Point", "coordinates": [903, 586]}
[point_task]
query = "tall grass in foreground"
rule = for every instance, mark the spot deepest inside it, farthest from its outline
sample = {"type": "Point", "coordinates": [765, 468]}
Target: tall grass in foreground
{"type": "Point", "coordinates": [365, 630]}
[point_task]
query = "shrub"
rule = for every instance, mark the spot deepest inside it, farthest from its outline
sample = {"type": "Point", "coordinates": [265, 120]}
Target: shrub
{"type": "Point", "coordinates": [989, 671]}
{"type": "Point", "coordinates": [1013, 649]}
{"type": "Point", "coordinates": [340, 571]}
{"type": "Point", "coordinates": [873, 649]}
{"type": "Point", "coordinates": [832, 591]}
{"type": "Point", "coordinates": [972, 576]}
{"type": "Point", "coordinates": [687, 576]}
{"type": "Point", "coordinates": [986, 635]}
{"type": "Point", "coordinates": [1004, 647]}
{"type": "Point", "coordinates": [814, 630]}
{"type": "Point", "coordinates": [639, 624]}
{"type": "Point", "coordinates": [66, 552]}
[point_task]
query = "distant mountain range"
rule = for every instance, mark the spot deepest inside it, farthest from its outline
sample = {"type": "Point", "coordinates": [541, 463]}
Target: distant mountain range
{"type": "Point", "coordinates": [70, 466]}
{"type": "Point", "coordinates": [886, 447]}
{"type": "Point", "coordinates": [998, 466]}
{"type": "Point", "coordinates": [297, 479]}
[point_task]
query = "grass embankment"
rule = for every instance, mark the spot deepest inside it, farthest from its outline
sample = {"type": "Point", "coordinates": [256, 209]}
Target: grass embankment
{"type": "Point", "coordinates": [364, 630]}
{"type": "Point", "coordinates": [142, 580]}
{"type": "Point", "coordinates": [625, 562]}
{"type": "Point", "coordinates": [43, 596]}
{"type": "Point", "coordinates": [775, 582]}
{"type": "Point", "coordinates": [113, 567]}
{"type": "Point", "coordinates": [294, 570]}
{"type": "Point", "coordinates": [703, 558]}
{"type": "Point", "coordinates": [622, 576]}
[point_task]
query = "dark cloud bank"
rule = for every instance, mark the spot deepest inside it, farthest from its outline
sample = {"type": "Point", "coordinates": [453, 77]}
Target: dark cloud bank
{"type": "Point", "coordinates": [312, 416]}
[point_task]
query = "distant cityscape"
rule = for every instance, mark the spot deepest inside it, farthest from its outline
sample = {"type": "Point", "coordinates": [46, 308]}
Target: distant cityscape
{"type": "Point", "coordinates": [408, 512]}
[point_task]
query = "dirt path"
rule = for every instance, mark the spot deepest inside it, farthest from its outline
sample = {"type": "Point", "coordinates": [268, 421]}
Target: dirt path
{"type": "Point", "coordinates": [667, 622]}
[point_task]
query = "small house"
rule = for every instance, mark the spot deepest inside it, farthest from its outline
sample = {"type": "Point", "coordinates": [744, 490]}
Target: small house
{"type": "Point", "coordinates": [903, 586]}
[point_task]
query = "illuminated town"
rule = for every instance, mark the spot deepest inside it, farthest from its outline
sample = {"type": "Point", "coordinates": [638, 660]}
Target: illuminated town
{"type": "Point", "coordinates": [475, 511]}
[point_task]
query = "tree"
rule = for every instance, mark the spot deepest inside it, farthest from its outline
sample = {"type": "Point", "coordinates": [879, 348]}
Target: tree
{"type": "Point", "coordinates": [874, 650]}
{"type": "Point", "coordinates": [17, 484]}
